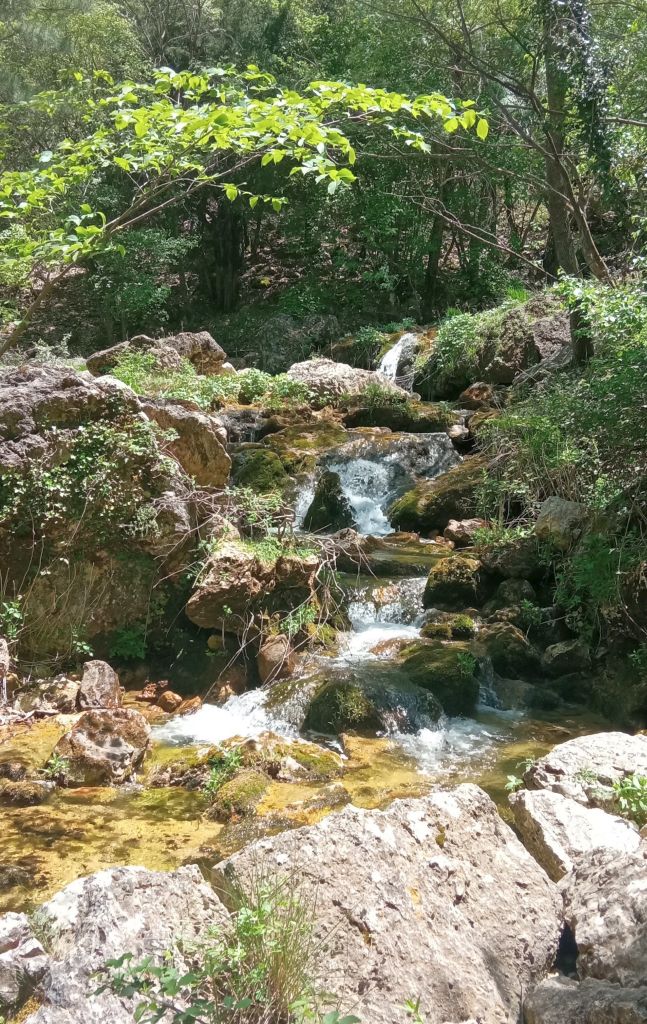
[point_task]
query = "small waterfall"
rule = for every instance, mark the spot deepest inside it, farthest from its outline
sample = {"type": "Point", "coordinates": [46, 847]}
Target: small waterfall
{"type": "Point", "coordinates": [369, 487]}
{"type": "Point", "coordinates": [243, 716]}
{"type": "Point", "coordinates": [390, 362]}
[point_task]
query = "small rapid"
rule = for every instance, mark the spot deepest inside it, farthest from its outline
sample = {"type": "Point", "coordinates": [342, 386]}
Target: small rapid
{"type": "Point", "coordinates": [390, 362]}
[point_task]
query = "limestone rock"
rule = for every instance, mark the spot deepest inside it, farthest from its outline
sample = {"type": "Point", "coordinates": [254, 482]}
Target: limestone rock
{"type": "Point", "coordinates": [198, 347]}
{"type": "Point", "coordinates": [518, 559]}
{"type": "Point", "coordinates": [508, 649]}
{"type": "Point", "coordinates": [446, 670]}
{"type": "Point", "coordinates": [461, 531]}
{"type": "Point", "coordinates": [560, 522]}
{"type": "Point", "coordinates": [561, 1000]}
{"type": "Point", "coordinates": [605, 906]}
{"type": "Point", "coordinates": [169, 701]}
{"type": "Point", "coordinates": [199, 446]}
{"type": "Point", "coordinates": [275, 659]}
{"type": "Point", "coordinates": [435, 897]}
{"type": "Point", "coordinates": [566, 656]}
{"type": "Point", "coordinates": [59, 694]}
{"type": "Point", "coordinates": [432, 503]}
{"type": "Point", "coordinates": [480, 395]}
{"type": "Point", "coordinates": [99, 686]}
{"type": "Point", "coordinates": [105, 915]}
{"type": "Point", "coordinates": [583, 768]}
{"type": "Point", "coordinates": [453, 583]}
{"type": "Point", "coordinates": [105, 747]}
{"type": "Point", "coordinates": [329, 380]}
{"type": "Point", "coordinates": [560, 832]}
{"type": "Point", "coordinates": [371, 706]}
{"type": "Point", "coordinates": [23, 961]}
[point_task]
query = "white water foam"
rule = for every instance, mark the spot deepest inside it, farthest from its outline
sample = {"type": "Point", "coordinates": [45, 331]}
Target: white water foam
{"type": "Point", "coordinates": [391, 359]}
{"type": "Point", "coordinates": [368, 486]}
{"type": "Point", "coordinates": [244, 715]}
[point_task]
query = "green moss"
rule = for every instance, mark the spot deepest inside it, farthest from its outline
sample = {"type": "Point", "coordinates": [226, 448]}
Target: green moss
{"type": "Point", "coordinates": [339, 706]}
{"type": "Point", "coordinates": [299, 446]}
{"type": "Point", "coordinates": [259, 469]}
{"type": "Point", "coordinates": [453, 581]}
{"type": "Point", "coordinates": [444, 670]}
{"type": "Point", "coordinates": [432, 503]}
{"type": "Point", "coordinates": [240, 796]}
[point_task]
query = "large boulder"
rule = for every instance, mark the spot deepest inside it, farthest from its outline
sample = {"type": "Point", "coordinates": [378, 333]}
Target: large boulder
{"type": "Point", "coordinates": [101, 917]}
{"type": "Point", "coordinates": [560, 522]}
{"type": "Point", "coordinates": [99, 686]}
{"type": "Point", "coordinates": [605, 907]}
{"type": "Point", "coordinates": [453, 583]}
{"type": "Point", "coordinates": [586, 767]}
{"type": "Point", "coordinates": [433, 899]}
{"type": "Point", "coordinates": [23, 961]}
{"type": "Point", "coordinates": [526, 335]}
{"type": "Point", "coordinates": [508, 649]}
{"type": "Point", "coordinates": [566, 656]}
{"type": "Point", "coordinates": [198, 347]}
{"type": "Point", "coordinates": [370, 706]}
{"type": "Point", "coordinates": [432, 503]}
{"type": "Point", "coordinates": [200, 443]}
{"type": "Point", "coordinates": [462, 532]}
{"type": "Point", "coordinates": [238, 580]}
{"type": "Point", "coordinates": [560, 833]}
{"type": "Point", "coordinates": [57, 695]}
{"type": "Point", "coordinates": [104, 748]}
{"type": "Point", "coordinates": [446, 670]}
{"type": "Point", "coordinates": [562, 1000]}
{"type": "Point", "coordinates": [36, 398]}
{"type": "Point", "coordinates": [328, 380]}
{"type": "Point", "coordinates": [275, 658]}
{"type": "Point", "coordinates": [517, 559]}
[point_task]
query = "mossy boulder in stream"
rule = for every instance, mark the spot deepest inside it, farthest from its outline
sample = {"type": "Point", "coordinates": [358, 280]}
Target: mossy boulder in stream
{"type": "Point", "coordinates": [432, 503]}
{"type": "Point", "coordinates": [260, 469]}
{"type": "Point", "coordinates": [104, 748]}
{"type": "Point", "coordinates": [240, 796]}
{"type": "Point", "coordinates": [330, 508]}
{"type": "Point", "coordinates": [363, 706]}
{"type": "Point", "coordinates": [509, 650]}
{"type": "Point", "coordinates": [454, 582]}
{"type": "Point", "coordinates": [448, 671]}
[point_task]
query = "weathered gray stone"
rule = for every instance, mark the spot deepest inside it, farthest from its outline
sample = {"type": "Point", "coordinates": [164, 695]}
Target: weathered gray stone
{"type": "Point", "coordinates": [566, 656]}
{"type": "Point", "coordinates": [23, 961]}
{"type": "Point", "coordinates": [560, 1000]}
{"type": "Point", "coordinates": [198, 347]}
{"type": "Point", "coordinates": [99, 686]}
{"type": "Point", "coordinates": [605, 906]}
{"type": "Point", "coordinates": [199, 445]}
{"type": "Point", "coordinates": [433, 898]}
{"type": "Point", "coordinates": [328, 379]}
{"type": "Point", "coordinates": [105, 747]}
{"type": "Point", "coordinates": [586, 767]}
{"type": "Point", "coordinates": [560, 521]}
{"type": "Point", "coordinates": [105, 915]}
{"type": "Point", "coordinates": [560, 832]}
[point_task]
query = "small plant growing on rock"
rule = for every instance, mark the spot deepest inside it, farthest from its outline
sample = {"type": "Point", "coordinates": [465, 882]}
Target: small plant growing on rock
{"type": "Point", "coordinates": [466, 664]}
{"type": "Point", "coordinates": [631, 796]}
{"type": "Point", "coordinates": [57, 768]}
{"type": "Point", "coordinates": [221, 771]}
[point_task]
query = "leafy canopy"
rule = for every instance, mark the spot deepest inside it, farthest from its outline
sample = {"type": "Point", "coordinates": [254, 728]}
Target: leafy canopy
{"type": "Point", "coordinates": [163, 140]}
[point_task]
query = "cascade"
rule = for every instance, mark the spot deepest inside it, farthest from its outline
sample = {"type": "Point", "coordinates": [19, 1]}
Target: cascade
{"type": "Point", "coordinates": [391, 360]}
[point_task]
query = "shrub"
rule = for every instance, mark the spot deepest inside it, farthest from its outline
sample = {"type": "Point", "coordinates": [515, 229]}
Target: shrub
{"type": "Point", "coordinates": [631, 795]}
{"type": "Point", "coordinates": [129, 643]}
{"type": "Point", "coordinates": [139, 370]}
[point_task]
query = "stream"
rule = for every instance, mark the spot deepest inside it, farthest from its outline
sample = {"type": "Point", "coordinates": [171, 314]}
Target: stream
{"type": "Point", "coordinates": [82, 830]}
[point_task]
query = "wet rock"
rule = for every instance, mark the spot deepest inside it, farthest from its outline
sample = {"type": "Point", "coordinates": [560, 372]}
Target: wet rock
{"type": "Point", "coordinates": [51, 695]}
{"type": "Point", "coordinates": [169, 701]}
{"type": "Point", "coordinates": [560, 833]}
{"type": "Point", "coordinates": [261, 469]}
{"type": "Point", "coordinates": [566, 656]}
{"type": "Point", "coordinates": [330, 508]}
{"type": "Point", "coordinates": [511, 593]}
{"type": "Point", "coordinates": [409, 416]}
{"type": "Point", "coordinates": [240, 796]}
{"type": "Point", "coordinates": [605, 906]}
{"type": "Point", "coordinates": [462, 531]}
{"type": "Point", "coordinates": [480, 395]}
{"type": "Point", "coordinates": [370, 706]}
{"type": "Point", "coordinates": [449, 626]}
{"type": "Point", "coordinates": [328, 380]}
{"type": "Point", "coordinates": [453, 582]}
{"type": "Point", "coordinates": [561, 1000]}
{"type": "Point", "coordinates": [105, 747]}
{"type": "Point", "coordinates": [99, 686]}
{"type": "Point", "coordinates": [200, 443]}
{"type": "Point", "coordinates": [198, 347]}
{"type": "Point", "coordinates": [508, 649]}
{"type": "Point", "coordinates": [432, 503]}
{"type": "Point", "coordinates": [420, 893]}
{"type": "Point", "coordinates": [446, 670]}
{"type": "Point", "coordinates": [23, 961]}
{"type": "Point", "coordinates": [16, 771]}
{"type": "Point", "coordinates": [98, 918]}
{"type": "Point", "coordinates": [560, 522]}
{"type": "Point", "coordinates": [190, 705]}
{"type": "Point", "coordinates": [275, 659]}
{"type": "Point", "coordinates": [586, 767]}
{"type": "Point", "coordinates": [22, 794]}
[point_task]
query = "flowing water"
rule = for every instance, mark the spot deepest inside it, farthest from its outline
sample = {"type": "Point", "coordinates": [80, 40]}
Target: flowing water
{"type": "Point", "coordinates": [390, 361]}
{"type": "Point", "coordinates": [83, 830]}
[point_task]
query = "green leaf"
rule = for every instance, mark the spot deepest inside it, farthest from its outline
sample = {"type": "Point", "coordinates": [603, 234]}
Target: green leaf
{"type": "Point", "coordinates": [231, 192]}
{"type": "Point", "coordinates": [122, 162]}
{"type": "Point", "coordinates": [482, 128]}
{"type": "Point", "coordinates": [451, 125]}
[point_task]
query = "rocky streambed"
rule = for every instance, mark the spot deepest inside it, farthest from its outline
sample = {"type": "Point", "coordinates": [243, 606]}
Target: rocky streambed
{"type": "Point", "coordinates": [426, 669]}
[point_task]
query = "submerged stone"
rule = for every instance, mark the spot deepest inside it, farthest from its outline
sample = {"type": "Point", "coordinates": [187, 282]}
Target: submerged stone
{"type": "Point", "coordinates": [448, 671]}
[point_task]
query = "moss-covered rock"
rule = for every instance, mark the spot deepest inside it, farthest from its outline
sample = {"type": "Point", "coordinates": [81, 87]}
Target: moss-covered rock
{"type": "Point", "coordinates": [300, 446]}
{"type": "Point", "coordinates": [340, 706]}
{"type": "Point", "coordinates": [369, 706]}
{"type": "Point", "coordinates": [518, 558]}
{"type": "Point", "coordinates": [22, 794]}
{"type": "Point", "coordinates": [454, 583]}
{"type": "Point", "coordinates": [446, 670]}
{"type": "Point", "coordinates": [240, 796]}
{"type": "Point", "coordinates": [446, 626]}
{"type": "Point", "coordinates": [260, 469]}
{"type": "Point", "coordinates": [330, 509]}
{"type": "Point", "coordinates": [508, 649]}
{"type": "Point", "coordinates": [432, 503]}
{"type": "Point", "coordinates": [409, 415]}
